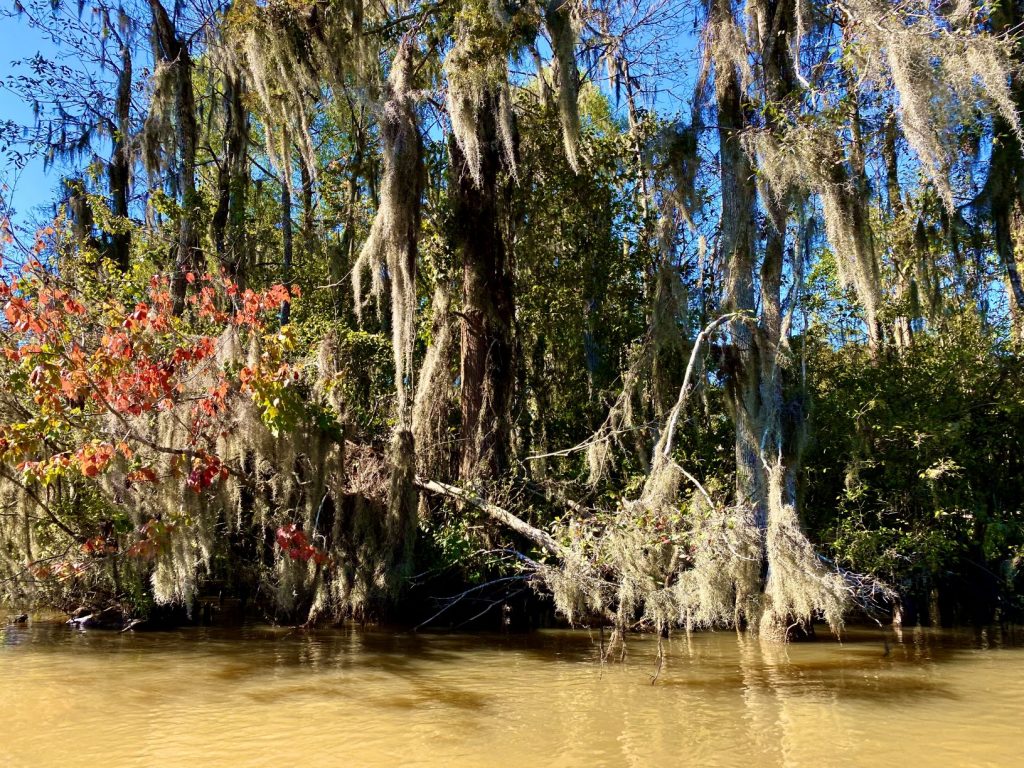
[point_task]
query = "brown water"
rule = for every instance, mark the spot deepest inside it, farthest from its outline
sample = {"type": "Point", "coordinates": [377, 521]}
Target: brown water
{"type": "Point", "coordinates": [265, 697]}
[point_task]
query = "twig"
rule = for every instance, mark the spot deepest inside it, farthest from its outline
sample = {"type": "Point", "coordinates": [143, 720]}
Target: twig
{"type": "Point", "coordinates": [455, 599]}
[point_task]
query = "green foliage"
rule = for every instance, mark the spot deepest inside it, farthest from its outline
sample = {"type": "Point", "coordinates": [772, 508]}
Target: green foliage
{"type": "Point", "coordinates": [894, 391]}
{"type": "Point", "coordinates": [581, 295]}
{"type": "Point", "coordinates": [363, 380]}
{"type": "Point", "coordinates": [916, 465]}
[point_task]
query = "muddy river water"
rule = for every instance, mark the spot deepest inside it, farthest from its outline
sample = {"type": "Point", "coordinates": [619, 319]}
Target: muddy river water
{"type": "Point", "coordinates": [278, 697]}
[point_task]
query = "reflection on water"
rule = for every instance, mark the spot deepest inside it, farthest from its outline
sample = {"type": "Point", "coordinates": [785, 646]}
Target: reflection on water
{"type": "Point", "coordinates": [273, 697]}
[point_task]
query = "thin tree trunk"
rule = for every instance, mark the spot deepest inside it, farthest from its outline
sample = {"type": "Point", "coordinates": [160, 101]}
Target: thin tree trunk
{"type": "Point", "coordinates": [345, 254]}
{"type": "Point", "coordinates": [232, 178]}
{"type": "Point", "coordinates": [119, 171]}
{"type": "Point", "coordinates": [903, 332]}
{"type": "Point", "coordinates": [868, 282]}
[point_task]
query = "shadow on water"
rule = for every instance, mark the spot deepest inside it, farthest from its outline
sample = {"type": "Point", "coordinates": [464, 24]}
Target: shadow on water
{"type": "Point", "coordinates": [864, 664]}
{"type": "Point", "coordinates": [460, 699]}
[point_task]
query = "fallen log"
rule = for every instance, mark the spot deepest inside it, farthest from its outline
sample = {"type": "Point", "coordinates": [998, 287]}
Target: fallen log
{"type": "Point", "coordinates": [542, 539]}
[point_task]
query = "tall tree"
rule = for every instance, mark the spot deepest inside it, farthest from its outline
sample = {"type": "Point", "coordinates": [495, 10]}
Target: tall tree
{"type": "Point", "coordinates": [174, 103]}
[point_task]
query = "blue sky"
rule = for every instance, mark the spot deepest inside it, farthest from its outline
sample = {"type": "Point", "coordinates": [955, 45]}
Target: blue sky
{"type": "Point", "coordinates": [31, 190]}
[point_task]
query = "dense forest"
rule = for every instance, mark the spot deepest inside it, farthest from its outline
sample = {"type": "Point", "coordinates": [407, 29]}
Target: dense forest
{"type": "Point", "coordinates": [637, 314]}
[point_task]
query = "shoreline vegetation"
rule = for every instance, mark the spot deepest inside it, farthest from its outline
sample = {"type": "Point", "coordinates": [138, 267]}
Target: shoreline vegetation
{"type": "Point", "coordinates": [650, 316]}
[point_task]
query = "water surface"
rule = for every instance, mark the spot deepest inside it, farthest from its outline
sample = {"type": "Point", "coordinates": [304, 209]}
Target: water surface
{"type": "Point", "coordinates": [273, 697]}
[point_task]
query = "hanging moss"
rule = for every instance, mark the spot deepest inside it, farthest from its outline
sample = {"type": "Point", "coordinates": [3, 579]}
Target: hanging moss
{"type": "Point", "coordinates": [390, 248]}
{"type": "Point", "coordinates": [561, 17]}
{"type": "Point", "coordinates": [809, 158]}
{"type": "Point", "coordinates": [940, 68]}
{"type": "Point", "coordinates": [477, 77]}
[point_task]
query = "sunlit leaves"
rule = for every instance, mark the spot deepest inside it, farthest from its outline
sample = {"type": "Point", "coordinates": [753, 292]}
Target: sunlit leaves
{"type": "Point", "coordinates": [97, 367]}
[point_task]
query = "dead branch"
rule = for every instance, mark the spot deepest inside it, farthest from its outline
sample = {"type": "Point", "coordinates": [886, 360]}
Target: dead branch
{"type": "Point", "coordinates": [503, 516]}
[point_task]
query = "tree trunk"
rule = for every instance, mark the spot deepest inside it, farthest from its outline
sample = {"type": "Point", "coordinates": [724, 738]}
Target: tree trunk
{"type": "Point", "coordinates": [228, 222]}
{"type": "Point", "coordinates": [867, 281]}
{"type": "Point", "coordinates": [1004, 188]}
{"type": "Point", "coordinates": [488, 309]}
{"type": "Point", "coordinates": [345, 254]}
{"type": "Point", "coordinates": [119, 170]}
{"type": "Point", "coordinates": [172, 51]}
{"type": "Point", "coordinates": [903, 331]}
{"type": "Point", "coordinates": [766, 445]}
{"type": "Point", "coordinates": [737, 246]}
